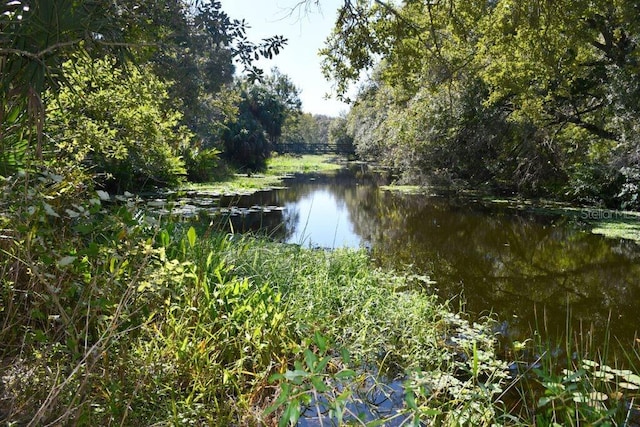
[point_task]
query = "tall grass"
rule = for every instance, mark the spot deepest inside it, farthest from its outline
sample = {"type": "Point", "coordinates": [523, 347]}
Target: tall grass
{"type": "Point", "coordinates": [571, 381]}
{"type": "Point", "coordinates": [111, 317]}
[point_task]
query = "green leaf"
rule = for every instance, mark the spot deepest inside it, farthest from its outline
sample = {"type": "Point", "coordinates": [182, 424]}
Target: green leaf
{"type": "Point", "coordinates": [346, 356]}
{"type": "Point", "coordinates": [295, 375]}
{"type": "Point", "coordinates": [40, 336]}
{"type": "Point", "coordinates": [276, 377]}
{"type": "Point", "coordinates": [543, 401]}
{"type": "Point", "coordinates": [320, 341]}
{"type": "Point", "coordinates": [165, 239]}
{"type": "Point", "coordinates": [475, 359]}
{"type": "Point", "coordinates": [345, 374]}
{"type": "Point", "coordinates": [103, 195]}
{"type": "Point", "coordinates": [322, 364]}
{"type": "Point", "coordinates": [632, 378]}
{"type": "Point", "coordinates": [49, 210]}
{"type": "Point", "coordinates": [283, 397]}
{"type": "Point", "coordinates": [377, 423]}
{"type": "Point", "coordinates": [310, 358]}
{"type": "Point", "coordinates": [410, 399]}
{"type": "Point", "coordinates": [191, 236]}
{"type": "Point", "coordinates": [318, 384]}
{"type": "Point", "coordinates": [291, 414]}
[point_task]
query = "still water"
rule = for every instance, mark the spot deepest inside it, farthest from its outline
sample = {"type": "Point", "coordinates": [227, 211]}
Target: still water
{"type": "Point", "coordinates": [530, 271]}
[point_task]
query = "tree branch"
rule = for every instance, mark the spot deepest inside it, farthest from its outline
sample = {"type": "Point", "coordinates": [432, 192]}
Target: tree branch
{"type": "Point", "coordinates": [38, 56]}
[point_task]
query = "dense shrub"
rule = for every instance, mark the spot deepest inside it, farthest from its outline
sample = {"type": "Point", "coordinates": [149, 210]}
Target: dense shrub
{"type": "Point", "coordinates": [117, 122]}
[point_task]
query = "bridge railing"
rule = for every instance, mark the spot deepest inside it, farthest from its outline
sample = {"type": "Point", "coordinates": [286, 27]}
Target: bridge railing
{"type": "Point", "coordinates": [302, 148]}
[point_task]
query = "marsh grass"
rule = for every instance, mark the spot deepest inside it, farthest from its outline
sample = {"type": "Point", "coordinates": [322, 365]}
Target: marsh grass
{"type": "Point", "coordinates": [572, 381]}
{"type": "Point", "coordinates": [110, 316]}
{"type": "Point", "coordinates": [280, 165]}
{"type": "Point", "coordinates": [113, 317]}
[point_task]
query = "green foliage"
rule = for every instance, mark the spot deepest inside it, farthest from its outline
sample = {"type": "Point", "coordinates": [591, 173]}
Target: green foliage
{"type": "Point", "coordinates": [369, 316]}
{"type": "Point", "coordinates": [111, 316]}
{"type": "Point", "coordinates": [300, 133]}
{"type": "Point", "coordinates": [201, 163]}
{"type": "Point", "coordinates": [339, 136]}
{"type": "Point", "coordinates": [513, 95]}
{"type": "Point", "coordinates": [15, 132]}
{"type": "Point", "coordinates": [589, 394]}
{"type": "Point", "coordinates": [321, 381]}
{"type": "Point", "coordinates": [117, 124]}
{"type": "Point", "coordinates": [368, 124]}
{"type": "Point", "coordinates": [35, 39]}
{"type": "Point", "coordinates": [262, 112]}
{"type": "Point", "coordinates": [112, 312]}
{"type": "Point", "coordinates": [195, 43]}
{"type": "Point", "coordinates": [574, 391]}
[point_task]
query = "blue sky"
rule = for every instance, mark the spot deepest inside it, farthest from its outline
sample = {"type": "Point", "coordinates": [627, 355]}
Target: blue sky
{"type": "Point", "coordinates": [306, 31]}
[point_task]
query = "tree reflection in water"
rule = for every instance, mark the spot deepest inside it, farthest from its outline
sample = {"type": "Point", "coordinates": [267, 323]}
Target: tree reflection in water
{"type": "Point", "coordinates": [525, 268]}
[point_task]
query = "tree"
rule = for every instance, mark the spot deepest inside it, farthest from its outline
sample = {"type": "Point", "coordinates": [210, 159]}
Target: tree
{"type": "Point", "coordinates": [339, 136]}
{"type": "Point", "coordinates": [193, 44]}
{"type": "Point", "coordinates": [36, 37]}
{"type": "Point", "coordinates": [119, 126]}
{"type": "Point", "coordinates": [300, 133]}
{"type": "Point", "coordinates": [262, 112]}
{"type": "Point", "coordinates": [190, 43]}
{"type": "Point", "coordinates": [552, 70]}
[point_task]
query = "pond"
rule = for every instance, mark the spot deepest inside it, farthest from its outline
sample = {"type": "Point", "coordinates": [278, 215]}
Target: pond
{"type": "Point", "coordinates": [531, 271]}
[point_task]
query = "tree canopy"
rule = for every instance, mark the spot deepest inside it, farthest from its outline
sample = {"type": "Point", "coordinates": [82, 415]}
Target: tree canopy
{"type": "Point", "coordinates": [557, 80]}
{"type": "Point", "coordinates": [172, 60]}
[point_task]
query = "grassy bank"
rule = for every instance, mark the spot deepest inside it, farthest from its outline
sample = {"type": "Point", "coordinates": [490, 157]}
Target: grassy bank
{"type": "Point", "coordinates": [111, 318]}
{"type": "Point", "coordinates": [278, 167]}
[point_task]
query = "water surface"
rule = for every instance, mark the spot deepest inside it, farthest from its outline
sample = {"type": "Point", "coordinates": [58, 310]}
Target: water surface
{"type": "Point", "coordinates": [531, 271]}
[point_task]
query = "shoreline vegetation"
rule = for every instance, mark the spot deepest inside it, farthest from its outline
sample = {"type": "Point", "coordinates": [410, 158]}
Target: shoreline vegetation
{"type": "Point", "coordinates": [278, 167]}
{"type": "Point", "coordinates": [111, 317]}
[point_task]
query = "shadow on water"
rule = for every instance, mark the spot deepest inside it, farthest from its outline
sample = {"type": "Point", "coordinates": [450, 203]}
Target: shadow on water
{"type": "Point", "coordinates": [526, 268]}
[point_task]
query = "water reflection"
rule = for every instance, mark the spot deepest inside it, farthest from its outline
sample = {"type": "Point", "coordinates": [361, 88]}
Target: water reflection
{"type": "Point", "coordinates": [527, 268]}
{"type": "Point", "coordinates": [320, 219]}
{"type": "Point", "coordinates": [524, 267]}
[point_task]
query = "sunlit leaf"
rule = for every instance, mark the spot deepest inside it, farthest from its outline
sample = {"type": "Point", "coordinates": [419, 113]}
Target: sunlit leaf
{"type": "Point", "coordinates": [632, 378]}
{"type": "Point", "coordinates": [544, 401]}
{"type": "Point", "coordinates": [598, 396]}
{"type": "Point", "coordinates": [295, 375]}
{"type": "Point", "coordinates": [628, 386]}
{"type": "Point", "coordinates": [103, 195]}
{"type": "Point", "coordinates": [191, 236]}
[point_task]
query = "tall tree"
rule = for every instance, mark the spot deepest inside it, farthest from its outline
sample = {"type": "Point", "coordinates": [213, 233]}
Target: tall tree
{"type": "Point", "coordinates": [566, 73]}
{"type": "Point", "coordinates": [36, 37]}
{"type": "Point", "coordinates": [263, 110]}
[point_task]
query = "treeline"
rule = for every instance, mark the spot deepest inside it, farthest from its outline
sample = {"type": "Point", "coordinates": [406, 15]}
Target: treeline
{"type": "Point", "coordinates": [529, 97]}
{"type": "Point", "coordinates": [138, 93]}
{"type": "Point", "coordinates": [307, 133]}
